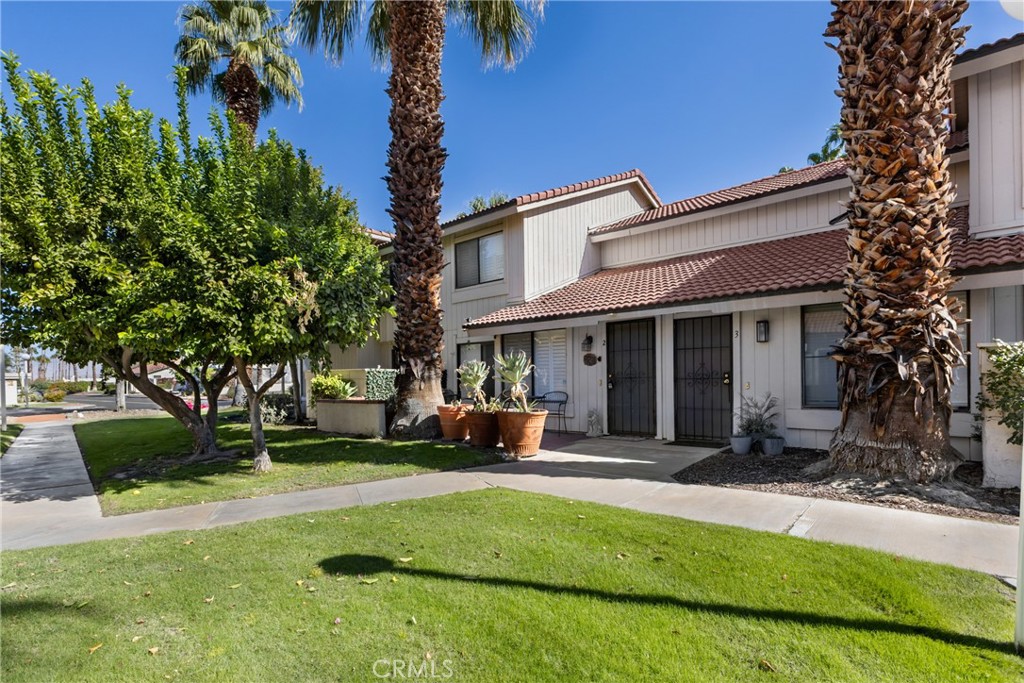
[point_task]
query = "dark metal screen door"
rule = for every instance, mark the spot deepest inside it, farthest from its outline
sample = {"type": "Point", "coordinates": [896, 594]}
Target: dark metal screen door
{"type": "Point", "coordinates": [631, 378]}
{"type": "Point", "coordinates": [703, 378]}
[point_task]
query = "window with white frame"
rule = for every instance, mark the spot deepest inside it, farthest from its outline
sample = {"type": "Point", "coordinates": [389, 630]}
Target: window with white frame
{"type": "Point", "coordinates": [480, 260]}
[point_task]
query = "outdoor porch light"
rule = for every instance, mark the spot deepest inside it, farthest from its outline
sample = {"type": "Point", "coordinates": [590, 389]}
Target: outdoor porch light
{"type": "Point", "coordinates": [587, 344]}
{"type": "Point", "coordinates": [762, 330]}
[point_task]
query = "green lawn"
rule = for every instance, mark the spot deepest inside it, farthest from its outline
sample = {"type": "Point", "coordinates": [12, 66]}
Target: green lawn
{"type": "Point", "coordinates": [303, 459]}
{"type": "Point", "coordinates": [8, 436]}
{"type": "Point", "coordinates": [495, 585]}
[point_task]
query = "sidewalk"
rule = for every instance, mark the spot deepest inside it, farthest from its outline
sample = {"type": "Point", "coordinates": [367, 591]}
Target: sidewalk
{"type": "Point", "coordinates": [58, 506]}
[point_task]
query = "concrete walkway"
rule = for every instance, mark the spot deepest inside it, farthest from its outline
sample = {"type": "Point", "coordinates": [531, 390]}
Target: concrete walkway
{"type": "Point", "coordinates": [59, 507]}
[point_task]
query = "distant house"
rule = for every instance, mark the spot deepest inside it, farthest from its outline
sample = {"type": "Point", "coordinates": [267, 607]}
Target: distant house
{"type": "Point", "coordinates": [659, 317]}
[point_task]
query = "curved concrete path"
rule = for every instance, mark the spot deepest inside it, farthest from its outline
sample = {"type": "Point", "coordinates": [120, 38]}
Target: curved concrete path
{"type": "Point", "coordinates": [47, 499]}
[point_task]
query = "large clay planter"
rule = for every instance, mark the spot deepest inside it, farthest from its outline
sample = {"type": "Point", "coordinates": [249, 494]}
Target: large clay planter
{"type": "Point", "coordinates": [453, 422]}
{"type": "Point", "coordinates": [521, 432]}
{"type": "Point", "coordinates": [483, 429]}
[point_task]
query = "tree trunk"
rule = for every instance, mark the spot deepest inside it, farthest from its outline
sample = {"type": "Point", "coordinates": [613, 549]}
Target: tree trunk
{"type": "Point", "coordinates": [909, 447]}
{"type": "Point", "coordinates": [895, 363]}
{"type": "Point", "coordinates": [92, 367]}
{"type": "Point", "coordinates": [260, 455]}
{"type": "Point", "coordinates": [300, 413]}
{"type": "Point", "coordinates": [119, 394]}
{"type": "Point", "coordinates": [415, 162]}
{"type": "Point", "coordinates": [242, 93]}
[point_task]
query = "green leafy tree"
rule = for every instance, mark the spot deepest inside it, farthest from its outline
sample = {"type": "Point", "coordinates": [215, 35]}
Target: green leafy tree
{"type": "Point", "coordinates": [410, 37]}
{"type": "Point", "coordinates": [136, 246]}
{"type": "Point", "coordinates": [247, 35]}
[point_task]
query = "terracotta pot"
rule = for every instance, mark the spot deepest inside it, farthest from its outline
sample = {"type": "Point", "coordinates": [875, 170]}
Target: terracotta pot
{"type": "Point", "coordinates": [521, 432]}
{"type": "Point", "coordinates": [453, 422]}
{"type": "Point", "coordinates": [483, 429]}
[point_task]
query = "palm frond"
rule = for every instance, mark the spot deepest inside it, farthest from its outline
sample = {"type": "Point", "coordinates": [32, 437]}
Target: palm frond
{"type": "Point", "coordinates": [332, 24]}
{"type": "Point", "coordinates": [503, 28]}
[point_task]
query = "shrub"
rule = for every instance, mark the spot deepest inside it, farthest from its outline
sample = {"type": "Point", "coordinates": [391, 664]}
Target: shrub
{"type": "Point", "coordinates": [75, 387]}
{"type": "Point", "coordinates": [277, 408]}
{"type": "Point", "coordinates": [331, 387]}
{"type": "Point", "coordinates": [380, 384]}
{"type": "Point", "coordinates": [1005, 386]}
{"type": "Point", "coordinates": [54, 395]}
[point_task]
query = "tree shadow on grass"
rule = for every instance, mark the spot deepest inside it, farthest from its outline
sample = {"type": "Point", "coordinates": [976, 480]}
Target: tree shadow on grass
{"type": "Point", "coordinates": [291, 446]}
{"type": "Point", "coordinates": [355, 565]}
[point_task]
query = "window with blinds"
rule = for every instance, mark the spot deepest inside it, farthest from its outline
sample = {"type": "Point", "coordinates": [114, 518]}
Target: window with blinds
{"type": "Point", "coordinates": [480, 260]}
{"type": "Point", "coordinates": [549, 359]}
{"type": "Point", "coordinates": [548, 350]}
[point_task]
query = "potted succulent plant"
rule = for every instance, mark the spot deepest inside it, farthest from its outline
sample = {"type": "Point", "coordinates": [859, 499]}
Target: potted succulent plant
{"type": "Point", "coordinates": [756, 421]}
{"type": "Point", "coordinates": [482, 417]}
{"type": "Point", "coordinates": [521, 426]}
{"type": "Point", "coordinates": [453, 420]}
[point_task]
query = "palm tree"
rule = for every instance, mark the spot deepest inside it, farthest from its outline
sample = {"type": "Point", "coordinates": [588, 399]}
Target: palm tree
{"type": "Point", "coordinates": [832, 149]}
{"type": "Point", "coordinates": [411, 36]}
{"type": "Point", "coordinates": [896, 360]}
{"type": "Point", "coordinates": [248, 36]}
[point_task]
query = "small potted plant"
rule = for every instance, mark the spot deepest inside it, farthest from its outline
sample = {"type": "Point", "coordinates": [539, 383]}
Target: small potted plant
{"type": "Point", "coordinates": [772, 444]}
{"type": "Point", "coordinates": [453, 420]}
{"type": "Point", "coordinates": [482, 417]}
{"type": "Point", "coordinates": [756, 421]}
{"type": "Point", "coordinates": [521, 426]}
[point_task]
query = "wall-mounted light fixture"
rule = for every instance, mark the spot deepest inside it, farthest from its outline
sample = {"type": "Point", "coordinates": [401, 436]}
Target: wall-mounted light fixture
{"type": "Point", "coordinates": [762, 330]}
{"type": "Point", "coordinates": [587, 344]}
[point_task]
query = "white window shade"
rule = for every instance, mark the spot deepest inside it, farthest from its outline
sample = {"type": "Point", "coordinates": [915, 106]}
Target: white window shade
{"type": "Point", "coordinates": [510, 343]}
{"type": "Point", "coordinates": [960, 392]}
{"type": "Point", "coordinates": [492, 257]}
{"type": "Point", "coordinates": [549, 357]}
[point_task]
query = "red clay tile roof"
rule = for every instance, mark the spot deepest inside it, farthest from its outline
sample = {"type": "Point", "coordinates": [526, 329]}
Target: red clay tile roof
{"type": "Point", "coordinates": [804, 177]}
{"type": "Point", "coordinates": [524, 199]}
{"type": "Point", "coordinates": [814, 261]}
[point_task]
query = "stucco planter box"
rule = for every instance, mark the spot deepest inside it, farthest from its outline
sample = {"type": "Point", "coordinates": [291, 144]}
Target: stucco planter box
{"type": "Point", "coordinates": [1001, 460]}
{"type": "Point", "coordinates": [351, 416]}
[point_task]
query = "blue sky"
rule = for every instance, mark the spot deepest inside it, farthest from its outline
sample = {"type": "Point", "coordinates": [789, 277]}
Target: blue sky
{"type": "Point", "coordinates": [699, 95]}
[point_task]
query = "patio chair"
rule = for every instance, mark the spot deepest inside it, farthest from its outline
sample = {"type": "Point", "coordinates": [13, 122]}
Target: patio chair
{"type": "Point", "coordinates": [555, 402]}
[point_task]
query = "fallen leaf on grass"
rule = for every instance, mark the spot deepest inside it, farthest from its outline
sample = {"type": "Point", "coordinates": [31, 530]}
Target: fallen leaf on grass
{"type": "Point", "coordinates": [128, 583]}
{"type": "Point", "coordinates": [153, 650]}
{"type": "Point", "coordinates": [136, 492]}
{"type": "Point", "coordinates": [363, 579]}
{"type": "Point", "coordinates": [299, 582]}
{"type": "Point", "coordinates": [234, 586]}
{"type": "Point", "coordinates": [581, 517]}
{"type": "Point", "coordinates": [82, 604]}
{"type": "Point", "coordinates": [188, 542]}
{"type": "Point", "coordinates": [311, 589]}
{"type": "Point", "coordinates": [95, 647]}
{"type": "Point", "coordinates": [208, 600]}
{"type": "Point", "coordinates": [140, 621]}
{"type": "Point", "coordinates": [10, 585]}
{"type": "Point", "coordinates": [405, 560]}
{"type": "Point", "coordinates": [136, 639]}
{"type": "Point", "coordinates": [765, 665]}
{"type": "Point", "coordinates": [621, 556]}
{"type": "Point", "coordinates": [205, 558]}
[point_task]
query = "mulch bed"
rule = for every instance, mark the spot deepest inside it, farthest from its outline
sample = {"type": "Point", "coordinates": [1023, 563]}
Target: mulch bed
{"type": "Point", "coordinates": [801, 472]}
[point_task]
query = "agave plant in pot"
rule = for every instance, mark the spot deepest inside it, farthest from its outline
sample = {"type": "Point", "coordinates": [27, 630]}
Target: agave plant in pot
{"type": "Point", "coordinates": [521, 426]}
{"type": "Point", "coordinates": [482, 417]}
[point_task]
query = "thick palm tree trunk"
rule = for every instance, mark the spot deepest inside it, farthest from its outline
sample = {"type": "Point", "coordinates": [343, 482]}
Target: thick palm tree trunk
{"type": "Point", "coordinates": [415, 162]}
{"type": "Point", "coordinates": [242, 93]}
{"type": "Point", "coordinates": [896, 361]}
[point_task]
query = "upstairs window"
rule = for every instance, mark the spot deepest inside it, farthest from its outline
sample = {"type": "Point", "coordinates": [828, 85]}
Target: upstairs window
{"type": "Point", "coordinates": [480, 260]}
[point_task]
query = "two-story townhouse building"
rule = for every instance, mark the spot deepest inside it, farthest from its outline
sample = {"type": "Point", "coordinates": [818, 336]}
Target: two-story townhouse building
{"type": "Point", "coordinates": [657, 318]}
